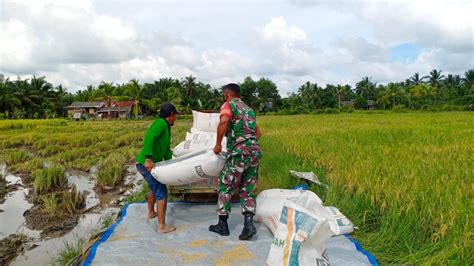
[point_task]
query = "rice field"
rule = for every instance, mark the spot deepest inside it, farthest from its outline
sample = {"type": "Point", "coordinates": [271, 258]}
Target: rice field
{"type": "Point", "coordinates": [404, 179]}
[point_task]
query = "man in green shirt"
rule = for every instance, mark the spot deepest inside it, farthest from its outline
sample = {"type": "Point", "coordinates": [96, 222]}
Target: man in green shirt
{"type": "Point", "coordinates": [156, 148]}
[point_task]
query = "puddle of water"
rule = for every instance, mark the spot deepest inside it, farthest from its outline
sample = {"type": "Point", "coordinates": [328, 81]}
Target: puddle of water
{"type": "Point", "coordinates": [13, 179]}
{"type": "Point", "coordinates": [47, 250]}
{"type": "Point", "coordinates": [84, 183]}
{"type": "Point", "coordinates": [133, 178]}
{"type": "Point", "coordinates": [132, 183]}
{"type": "Point", "coordinates": [94, 169]}
{"type": "Point", "coordinates": [13, 208]}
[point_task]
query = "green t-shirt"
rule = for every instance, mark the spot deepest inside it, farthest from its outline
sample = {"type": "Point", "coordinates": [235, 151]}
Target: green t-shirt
{"type": "Point", "coordinates": [157, 142]}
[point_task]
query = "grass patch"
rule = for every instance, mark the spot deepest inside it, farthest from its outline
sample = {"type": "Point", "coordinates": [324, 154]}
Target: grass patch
{"type": "Point", "coordinates": [49, 179]}
{"type": "Point", "coordinates": [107, 220]}
{"type": "Point", "coordinates": [111, 170]}
{"type": "Point", "coordinates": [70, 252]}
{"type": "Point", "coordinates": [140, 195]}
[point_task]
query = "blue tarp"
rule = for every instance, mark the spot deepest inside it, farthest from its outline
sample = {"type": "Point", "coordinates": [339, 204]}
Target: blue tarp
{"type": "Point", "coordinates": [133, 239]}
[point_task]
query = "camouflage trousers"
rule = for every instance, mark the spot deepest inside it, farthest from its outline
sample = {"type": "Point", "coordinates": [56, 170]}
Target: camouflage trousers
{"type": "Point", "coordinates": [240, 172]}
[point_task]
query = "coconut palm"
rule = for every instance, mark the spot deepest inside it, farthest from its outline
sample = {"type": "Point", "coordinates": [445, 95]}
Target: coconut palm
{"type": "Point", "coordinates": [366, 88]}
{"type": "Point", "coordinates": [383, 98]}
{"type": "Point", "coordinates": [134, 89]}
{"type": "Point", "coordinates": [8, 100]}
{"type": "Point", "coordinates": [469, 77]}
{"type": "Point", "coordinates": [468, 81]}
{"type": "Point", "coordinates": [189, 85]}
{"type": "Point", "coordinates": [416, 79]}
{"type": "Point", "coordinates": [435, 77]}
{"type": "Point", "coordinates": [105, 92]}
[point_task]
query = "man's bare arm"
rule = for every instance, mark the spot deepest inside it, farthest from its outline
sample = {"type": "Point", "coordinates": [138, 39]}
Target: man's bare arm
{"type": "Point", "coordinates": [258, 133]}
{"type": "Point", "coordinates": [221, 130]}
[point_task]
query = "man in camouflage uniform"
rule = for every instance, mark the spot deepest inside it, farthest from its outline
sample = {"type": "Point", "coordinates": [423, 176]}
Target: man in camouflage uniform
{"type": "Point", "coordinates": [238, 123]}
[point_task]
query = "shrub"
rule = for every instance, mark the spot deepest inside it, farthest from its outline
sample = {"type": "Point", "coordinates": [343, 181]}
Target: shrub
{"type": "Point", "coordinates": [347, 109]}
{"type": "Point", "coordinates": [331, 111]}
{"type": "Point", "coordinates": [399, 109]}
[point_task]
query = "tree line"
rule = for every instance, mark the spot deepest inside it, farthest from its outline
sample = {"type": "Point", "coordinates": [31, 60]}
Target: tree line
{"type": "Point", "coordinates": [37, 98]}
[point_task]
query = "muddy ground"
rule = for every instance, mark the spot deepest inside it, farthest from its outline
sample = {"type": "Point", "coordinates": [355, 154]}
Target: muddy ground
{"type": "Point", "coordinates": [11, 246]}
{"type": "Point", "coordinates": [22, 215]}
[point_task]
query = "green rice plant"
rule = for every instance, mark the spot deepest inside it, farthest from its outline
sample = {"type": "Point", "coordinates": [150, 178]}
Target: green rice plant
{"type": "Point", "coordinates": [15, 157]}
{"type": "Point", "coordinates": [51, 150]}
{"type": "Point", "coordinates": [70, 252]}
{"type": "Point", "coordinates": [27, 168]}
{"type": "Point", "coordinates": [83, 141]}
{"type": "Point", "coordinates": [102, 146]}
{"type": "Point", "coordinates": [72, 155]}
{"type": "Point", "coordinates": [83, 164]}
{"type": "Point", "coordinates": [63, 203]}
{"type": "Point", "coordinates": [72, 201]}
{"type": "Point", "coordinates": [49, 179]}
{"type": "Point", "coordinates": [50, 204]}
{"type": "Point", "coordinates": [111, 170]}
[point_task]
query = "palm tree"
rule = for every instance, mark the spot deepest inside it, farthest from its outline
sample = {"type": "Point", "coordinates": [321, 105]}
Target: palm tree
{"type": "Point", "coordinates": [384, 98]}
{"type": "Point", "coordinates": [340, 91]}
{"type": "Point", "coordinates": [366, 88]}
{"type": "Point", "coordinates": [469, 77]}
{"type": "Point", "coordinates": [310, 95]}
{"type": "Point", "coordinates": [416, 80]}
{"type": "Point", "coordinates": [189, 84]}
{"type": "Point", "coordinates": [8, 100]}
{"type": "Point", "coordinates": [134, 89]}
{"type": "Point", "coordinates": [435, 77]}
{"type": "Point", "coordinates": [468, 81]}
{"type": "Point", "coordinates": [394, 91]}
{"type": "Point", "coordinates": [105, 91]}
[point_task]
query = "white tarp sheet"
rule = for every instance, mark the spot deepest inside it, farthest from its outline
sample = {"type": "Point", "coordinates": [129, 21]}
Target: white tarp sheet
{"type": "Point", "coordinates": [133, 240]}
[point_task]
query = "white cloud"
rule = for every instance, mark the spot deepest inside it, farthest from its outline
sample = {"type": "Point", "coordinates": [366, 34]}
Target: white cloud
{"type": "Point", "coordinates": [430, 23]}
{"type": "Point", "coordinates": [47, 33]}
{"type": "Point", "coordinates": [286, 47]}
{"type": "Point", "coordinates": [15, 52]}
{"type": "Point", "coordinates": [363, 50]}
{"type": "Point", "coordinates": [182, 55]}
{"type": "Point", "coordinates": [77, 43]}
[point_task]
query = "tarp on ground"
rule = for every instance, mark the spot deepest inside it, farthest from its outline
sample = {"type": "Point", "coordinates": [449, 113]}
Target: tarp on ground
{"type": "Point", "coordinates": [133, 239]}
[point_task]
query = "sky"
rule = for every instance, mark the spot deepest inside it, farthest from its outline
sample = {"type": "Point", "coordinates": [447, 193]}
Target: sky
{"type": "Point", "coordinates": [82, 42]}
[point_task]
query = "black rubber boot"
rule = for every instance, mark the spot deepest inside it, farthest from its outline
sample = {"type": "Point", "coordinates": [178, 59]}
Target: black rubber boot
{"type": "Point", "coordinates": [222, 228]}
{"type": "Point", "coordinates": [249, 229]}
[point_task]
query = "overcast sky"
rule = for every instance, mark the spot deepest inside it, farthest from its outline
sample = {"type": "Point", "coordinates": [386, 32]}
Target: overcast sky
{"type": "Point", "coordinates": [83, 42]}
